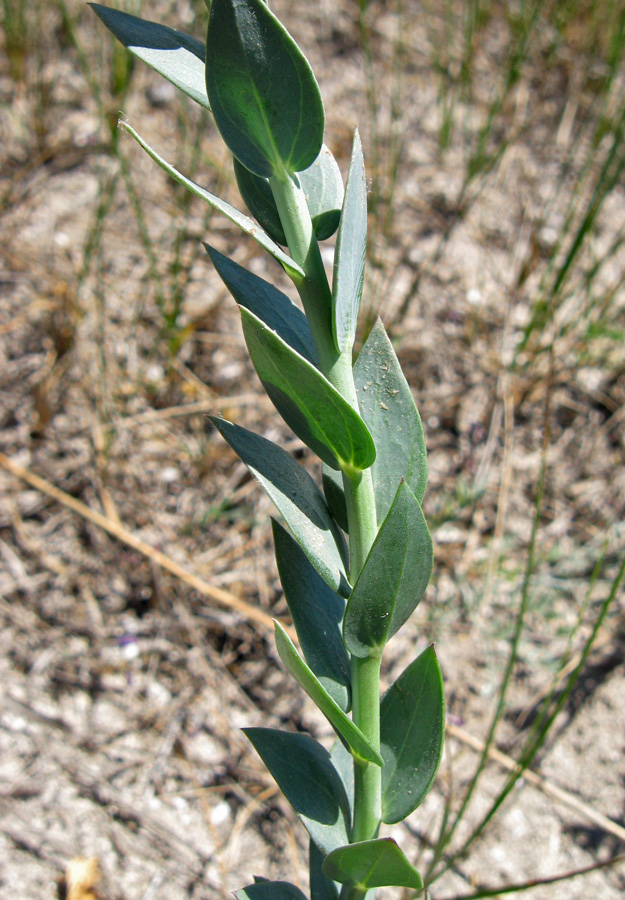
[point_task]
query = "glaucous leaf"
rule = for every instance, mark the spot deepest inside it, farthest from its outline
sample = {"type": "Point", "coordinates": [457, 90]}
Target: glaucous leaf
{"type": "Point", "coordinates": [307, 778]}
{"type": "Point", "coordinates": [322, 184]}
{"type": "Point", "coordinates": [393, 578]}
{"type": "Point", "coordinates": [387, 407]}
{"type": "Point", "coordinates": [349, 257]}
{"type": "Point", "coordinates": [263, 889]}
{"type": "Point", "coordinates": [267, 302]}
{"type": "Point", "coordinates": [341, 723]}
{"type": "Point", "coordinates": [343, 762]}
{"type": "Point", "coordinates": [321, 888]}
{"type": "Point", "coordinates": [412, 732]}
{"type": "Point", "coordinates": [298, 499]}
{"type": "Point", "coordinates": [317, 612]}
{"type": "Point", "coordinates": [306, 400]}
{"type": "Point", "coordinates": [264, 96]}
{"type": "Point", "coordinates": [176, 56]}
{"type": "Point", "coordinates": [372, 864]}
{"type": "Point", "coordinates": [243, 222]}
{"type": "Point", "coordinates": [335, 495]}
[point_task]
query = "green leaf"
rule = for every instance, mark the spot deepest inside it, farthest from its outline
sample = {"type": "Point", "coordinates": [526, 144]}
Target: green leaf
{"type": "Point", "coordinates": [387, 407]}
{"type": "Point", "coordinates": [322, 184]}
{"type": "Point", "coordinates": [343, 725]}
{"type": "Point", "coordinates": [267, 302]}
{"type": "Point", "coordinates": [270, 890]}
{"type": "Point", "coordinates": [393, 578]}
{"type": "Point", "coordinates": [306, 400]}
{"type": "Point", "coordinates": [321, 888]}
{"type": "Point", "coordinates": [349, 258]}
{"type": "Point", "coordinates": [263, 93]}
{"type": "Point", "coordinates": [176, 56]}
{"type": "Point", "coordinates": [297, 497]}
{"type": "Point", "coordinates": [335, 495]}
{"type": "Point", "coordinates": [317, 612]}
{"type": "Point", "coordinates": [371, 864]}
{"type": "Point", "coordinates": [307, 778]}
{"type": "Point", "coordinates": [243, 222]}
{"type": "Point", "coordinates": [343, 762]}
{"type": "Point", "coordinates": [412, 732]}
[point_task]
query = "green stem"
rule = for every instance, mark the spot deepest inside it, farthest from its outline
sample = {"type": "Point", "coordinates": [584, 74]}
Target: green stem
{"type": "Point", "coordinates": [316, 296]}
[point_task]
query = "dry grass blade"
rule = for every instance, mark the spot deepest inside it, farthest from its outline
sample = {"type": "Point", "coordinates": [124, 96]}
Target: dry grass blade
{"type": "Point", "coordinates": [552, 790]}
{"type": "Point", "coordinates": [225, 598]}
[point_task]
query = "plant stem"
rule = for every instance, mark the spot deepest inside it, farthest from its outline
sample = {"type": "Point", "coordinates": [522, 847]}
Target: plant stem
{"type": "Point", "coordinates": [316, 296]}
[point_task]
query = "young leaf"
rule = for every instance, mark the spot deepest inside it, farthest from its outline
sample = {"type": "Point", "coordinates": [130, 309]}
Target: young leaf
{"type": "Point", "coordinates": [270, 890]}
{"type": "Point", "coordinates": [371, 864]}
{"type": "Point", "coordinates": [349, 258]}
{"type": "Point", "coordinates": [307, 778]}
{"type": "Point", "coordinates": [297, 497]}
{"type": "Point", "coordinates": [176, 56]}
{"type": "Point", "coordinates": [264, 96]}
{"type": "Point", "coordinates": [412, 731]}
{"type": "Point", "coordinates": [322, 185]}
{"type": "Point", "coordinates": [243, 222]}
{"type": "Point", "coordinates": [306, 400]}
{"type": "Point", "coordinates": [393, 578]}
{"type": "Point", "coordinates": [317, 613]}
{"type": "Point", "coordinates": [267, 302]}
{"type": "Point", "coordinates": [343, 725]}
{"type": "Point", "coordinates": [387, 407]}
{"type": "Point", "coordinates": [321, 888]}
{"type": "Point", "coordinates": [335, 495]}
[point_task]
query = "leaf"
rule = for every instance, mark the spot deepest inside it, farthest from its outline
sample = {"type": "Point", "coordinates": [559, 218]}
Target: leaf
{"type": "Point", "coordinates": [386, 405]}
{"type": "Point", "coordinates": [393, 578]}
{"type": "Point", "coordinates": [306, 400]}
{"type": "Point", "coordinates": [343, 762]}
{"type": "Point", "coordinates": [358, 743]}
{"type": "Point", "coordinates": [270, 890]}
{"type": "Point", "coordinates": [317, 613]}
{"type": "Point", "coordinates": [176, 56]}
{"type": "Point", "coordinates": [263, 93]}
{"type": "Point", "coordinates": [321, 888]}
{"type": "Point", "coordinates": [246, 225]}
{"type": "Point", "coordinates": [335, 495]}
{"type": "Point", "coordinates": [371, 864]}
{"type": "Point", "coordinates": [297, 497]}
{"type": "Point", "coordinates": [322, 184]}
{"type": "Point", "coordinates": [307, 778]}
{"type": "Point", "coordinates": [349, 258]}
{"type": "Point", "coordinates": [412, 732]}
{"type": "Point", "coordinates": [267, 303]}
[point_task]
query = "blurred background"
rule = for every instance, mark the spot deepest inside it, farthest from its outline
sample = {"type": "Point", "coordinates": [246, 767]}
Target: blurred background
{"type": "Point", "coordinates": [137, 580]}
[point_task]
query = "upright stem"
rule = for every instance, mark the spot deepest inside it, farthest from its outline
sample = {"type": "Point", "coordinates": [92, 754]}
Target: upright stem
{"type": "Point", "coordinates": [316, 296]}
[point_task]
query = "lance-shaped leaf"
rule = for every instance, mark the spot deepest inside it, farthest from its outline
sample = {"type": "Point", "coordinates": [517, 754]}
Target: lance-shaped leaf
{"type": "Point", "coordinates": [342, 724]}
{"type": "Point", "coordinates": [321, 888]}
{"type": "Point", "coordinates": [371, 864]}
{"type": "Point", "coordinates": [262, 889]}
{"type": "Point", "coordinates": [176, 56]}
{"type": "Point", "coordinates": [267, 302]}
{"type": "Point", "coordinates": [343, 762]}
{"type": "Point", "coordinates": [262, 91]}
{"type": "Point", "coordinates": [349, 258]}
{"type": "Point", "coordinates": [317, 612]}
{"type": "Point", "coordinates": [307, 778]}
{"type": "Point", "coordinates": [335, 495]}
{"type": "Point", "coordinates": [412, 731]}
{"type": "Point", "coordinates": [243, 222]}
{"type": "Point", "coordinates": [393, 578]}
{"type": "Point", "coordinates": [297, 497]}
{"type": "Point", "coordinates": [322, 184]}
{"type": "Point", "coordinates": [387, 407]}
{"type": "Point", "coordinates": [306, 400]}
